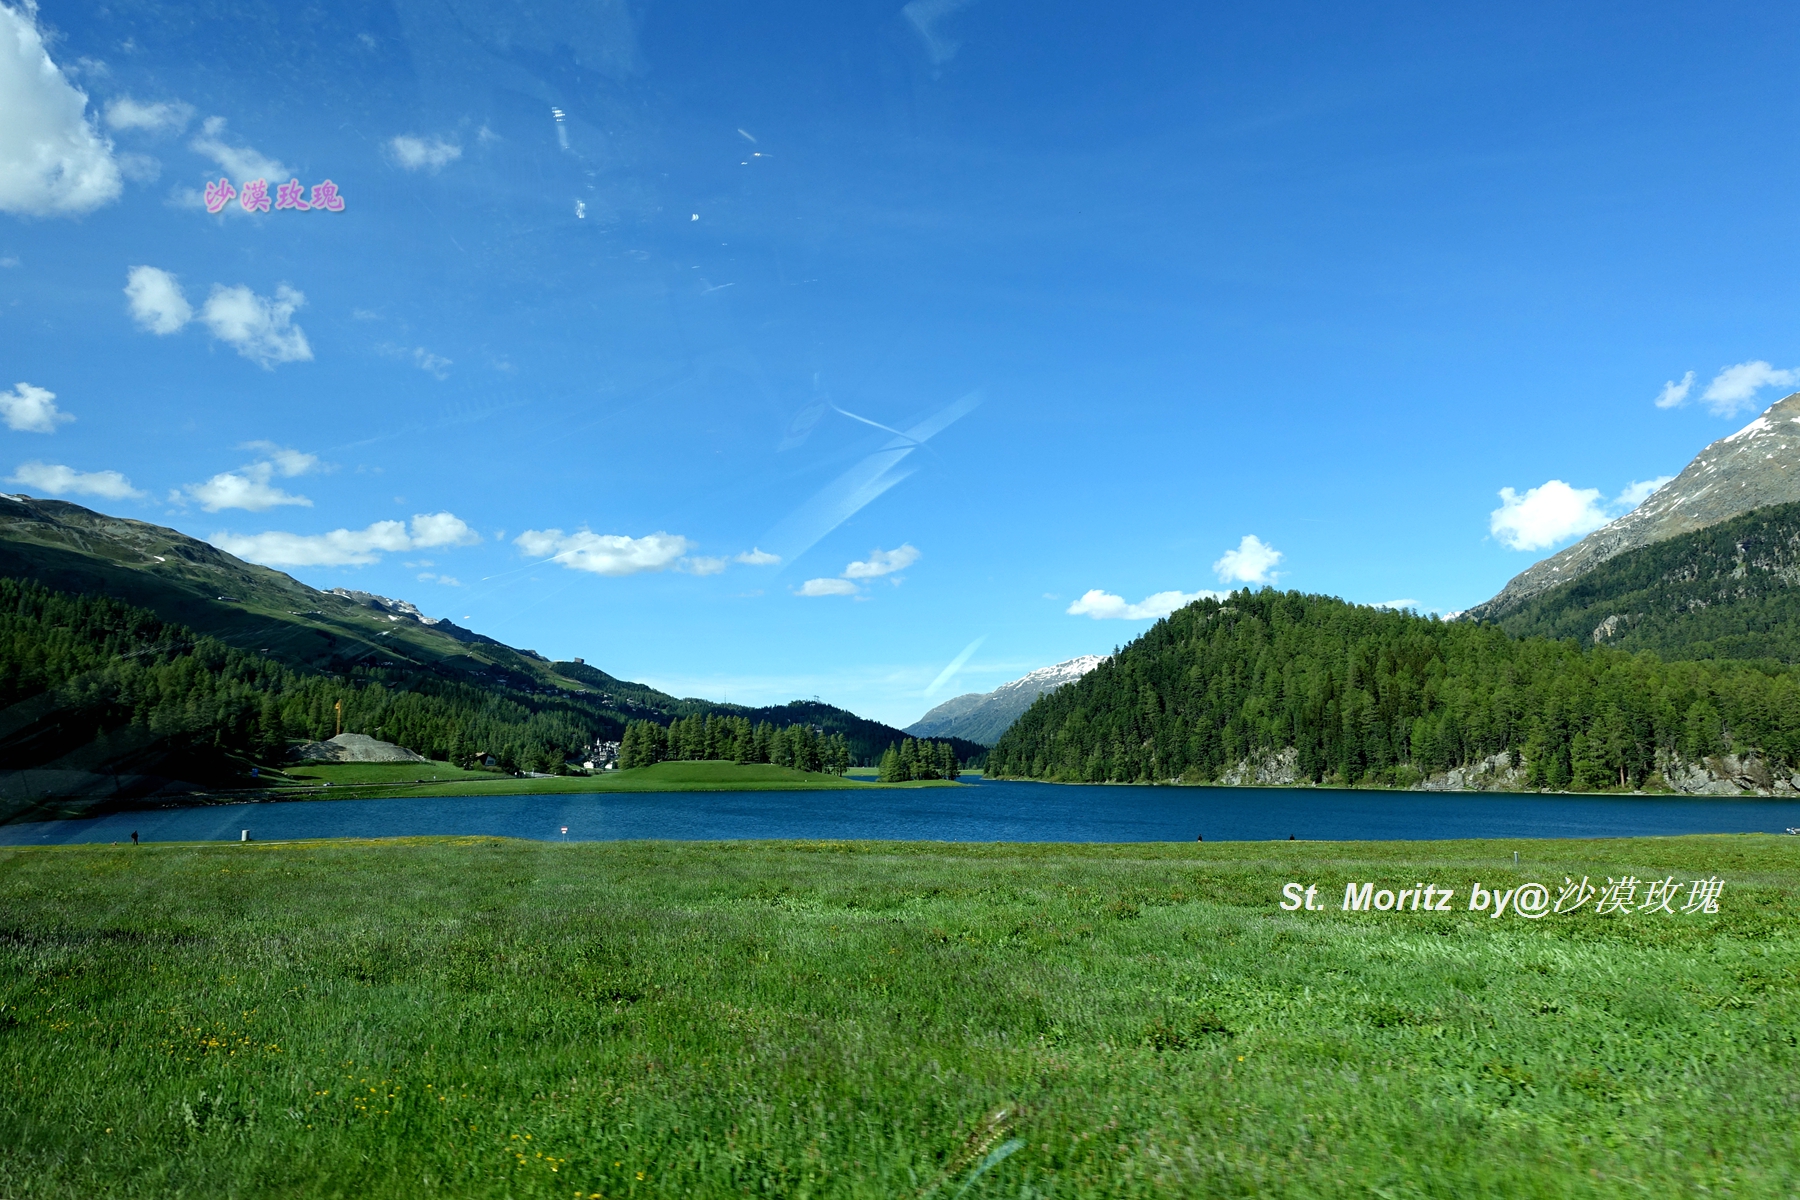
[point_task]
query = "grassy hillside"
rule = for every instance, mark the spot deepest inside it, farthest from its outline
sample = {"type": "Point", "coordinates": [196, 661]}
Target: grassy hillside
{"type": "Point", "coordinates": [1731, 590]}
{"type": "Point", "coordinates": [400, 676]}
{"type": "Point", "coordinates": [487, 1018]}
{"type": "Point", "coordinates": [1360, 695]}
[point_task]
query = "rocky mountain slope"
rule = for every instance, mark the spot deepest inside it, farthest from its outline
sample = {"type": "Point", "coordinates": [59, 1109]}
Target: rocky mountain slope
{"type": "Point", "coordinates": [1755, 467]}
{"type": "Point", "coordinates": [984, 716]}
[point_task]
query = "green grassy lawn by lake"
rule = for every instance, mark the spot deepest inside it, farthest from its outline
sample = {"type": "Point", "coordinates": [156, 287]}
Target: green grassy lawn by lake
{"type": "Point", "coordinates": [497, 1018]}
{"type": "Point", "coordinates": [370, 780]}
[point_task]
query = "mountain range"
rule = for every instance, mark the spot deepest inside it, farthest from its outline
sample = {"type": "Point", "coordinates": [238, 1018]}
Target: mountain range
{"type": "Point", "coordinates": [984, 716]}
{"type": "Point", "coordinates": [1754, 468]}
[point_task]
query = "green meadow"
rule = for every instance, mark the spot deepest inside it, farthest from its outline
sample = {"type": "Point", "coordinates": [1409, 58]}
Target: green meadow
{"type": "Point", "coordinates": [484, 1017]}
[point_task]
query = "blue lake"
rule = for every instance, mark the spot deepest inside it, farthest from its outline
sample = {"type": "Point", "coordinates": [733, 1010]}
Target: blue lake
{"type": "Point", "coordinates": [982, 811]}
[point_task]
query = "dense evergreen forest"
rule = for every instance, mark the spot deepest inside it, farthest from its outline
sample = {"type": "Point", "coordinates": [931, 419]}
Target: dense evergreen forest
{"type": "Point", "coordinates": [92, 665]}
{"type": "Point", "coordinates": [913, 759]}
{"type": "Point", "coordinates": [1370, 696]}
{"type": "Point", "coordinates": [735, 738]}
{"type": "Point", "coordinates": [75, 669]}
{"type": "Point", "coordinates": [1731, 590]}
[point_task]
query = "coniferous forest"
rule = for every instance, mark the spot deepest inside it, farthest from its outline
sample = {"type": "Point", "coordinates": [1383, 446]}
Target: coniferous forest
{"type": "Point", "coordinates": [722, 736]}
{"type": "Point", "coordinates": [76, 669]}
{"type": "Point", "coordinates": [914, 759]}
{"type": "Point", "coordinates": [1364, 695]}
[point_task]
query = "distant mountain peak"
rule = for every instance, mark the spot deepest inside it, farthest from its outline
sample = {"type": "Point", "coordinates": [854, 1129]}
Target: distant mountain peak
{"type": "Point", "coordinates": [984, 716]}
{"type": "Point", "coordinates": [1755, 467]}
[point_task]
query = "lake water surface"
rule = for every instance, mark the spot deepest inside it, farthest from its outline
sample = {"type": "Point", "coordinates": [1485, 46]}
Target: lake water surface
{"type": "Point", "coordinates": [981, 811]}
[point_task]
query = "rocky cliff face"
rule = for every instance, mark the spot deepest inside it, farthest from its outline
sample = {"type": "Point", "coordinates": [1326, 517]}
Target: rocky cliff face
{"type": "Point", "coordinates": [984, 716]}
{"type": "Point", "coordinates": [1759, 465]}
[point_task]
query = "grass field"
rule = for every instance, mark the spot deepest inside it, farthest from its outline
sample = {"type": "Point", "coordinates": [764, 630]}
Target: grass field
{"type": "Point", "coordinates": [497, 1018]}
{"type": "Point", "coordinates": [370, 780]}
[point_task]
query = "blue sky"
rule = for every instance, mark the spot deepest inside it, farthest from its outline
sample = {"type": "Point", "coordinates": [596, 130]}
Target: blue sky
{"type": "Point", "coordinates": [998, 325]}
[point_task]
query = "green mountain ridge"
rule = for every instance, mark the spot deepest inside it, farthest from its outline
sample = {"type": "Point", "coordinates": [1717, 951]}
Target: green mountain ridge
{"type": "Point", "coordinates": [1755, 468]}
{"type": "Point", "coordinates": [1728, 591]}
{"type": "Point", "coordinates": [1340, 693]}
{"type": "Point", "coordinates": [422, 682]}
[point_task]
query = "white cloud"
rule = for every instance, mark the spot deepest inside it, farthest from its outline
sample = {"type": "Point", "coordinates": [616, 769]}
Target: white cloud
{"type": "Point", "coordinates": [1674, 394]}
{"type": "Point", "coordinates": [1395, 605]}
{"type": "Point", "coordinates": [1104, 606]}
{"type": "Point", "coordinates": [700, 565]}
{"type": "Point", "coordinates": [1546, 515]}
{"type": "Point", "coordinates": [287, 461]}
{"type": "Point", "coordinates": [261, 329]}
{"type": "Point", "coordinates": [1638, 491]}
{"type": "Point", "coordinates": [248, 489]}
{"type": "Point", "coordinates": [1734, 389]}
{"type": "Point", "coordinates": [346, 547]}
{"type": "Point", "coordinates": [425, 360]}
{"type": "Point", "coordinates": [155, 300]}
{"type": "Point", "coordinates": [431, 364]}
{"type": "Point", "coordinates": [161, 117]}
{"type": "Point", "coordinates": [1252, 562]}
{"type": "Point", "coordinates": [441, 529]}
{"type": "Point", "coordinates": [827, 587]}
{"type": "Point", "coordinates": [421, 154]}
{"type": "Point", "coordinates": [31, 409]}
{"type": "Point", "coordinates": [758, 558]}
{"type": "Point", "coordinates": [883, 562]}
{"type": "Point", "coordinates": [58, 480]}
{"type": "Point", "coordinates": [238, 162]}
{"type": "Point", "coordinates": [53, 161]}
{"type": "Point", "coordinates": [604, 553]}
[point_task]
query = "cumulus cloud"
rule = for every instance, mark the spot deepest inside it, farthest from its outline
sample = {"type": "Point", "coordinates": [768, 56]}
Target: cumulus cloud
{"type": "Point", "coordinates": [883, 562]}
{"type": "Point", "coordinates": [430, 530]}
{"type": "Point", "coordinates": [155, 301]}
{"type": "Point", "coordinates": [347, 547]}
{"type": "Point", "coordinates": [423, 154]}
{"type": "Point", "coordinates": [604, 553]}
{"type": "Point", "coordinates": [827, 587]}
{"type": "Point", "coordinates": [31, 409]}
{"type": "Point", "coordinates": [1252, 562]}
{"type": "Point", "coordinates": [57, 480]}
{"type": "Point", "coordinates": [259, 327]}
{"type": "Point", "coordinates": [1546, 515]}
{"type": "Point", "coordinates": [758, 558]}
{"type": "Point", "coordinates": [1104, 606]}
{"type": "Point", "coordinates": [247, 488]}
{"type": "Point", "coordinates": [238, 162]}
{"type": "Point", "coordinates": [700, 565]}
{"type": "Point", "coordinates": [1675, 393]}
{"type": "Point", "coordinates": [1638, 491]}
{"type": "Point", "coordinates": [53, 161]}
{"type": "Point", "coordinates": [161, 117]}
{"type": "Point", "coordinates": [1734, 389]}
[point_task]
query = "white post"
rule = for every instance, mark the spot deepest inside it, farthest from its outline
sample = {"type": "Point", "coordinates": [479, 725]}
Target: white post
{"type": "Point", "coordinates": [244, 836]}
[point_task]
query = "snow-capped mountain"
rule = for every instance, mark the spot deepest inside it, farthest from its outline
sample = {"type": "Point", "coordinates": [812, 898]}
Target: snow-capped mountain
{"type": "Point", "coordinates": [1757, 466]}
{"type": "Point", "coordinates": [984, 716]}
